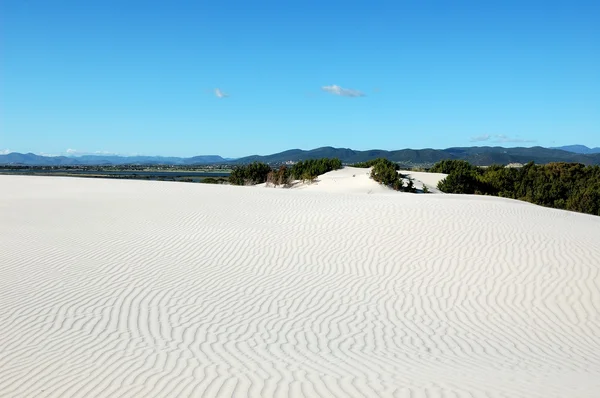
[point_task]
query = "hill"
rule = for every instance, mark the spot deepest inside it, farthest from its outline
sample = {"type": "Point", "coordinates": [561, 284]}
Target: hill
{"type": "Point", "coordinates": [582, 149]}
{"type": "Point", "coordinates": [30, 159]}
{"type": "Point", "coordinates": [480, 156]}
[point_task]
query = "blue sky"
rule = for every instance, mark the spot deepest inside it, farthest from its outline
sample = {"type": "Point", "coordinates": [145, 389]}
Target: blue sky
{"type": "Point", "coordinates": [141, 76]}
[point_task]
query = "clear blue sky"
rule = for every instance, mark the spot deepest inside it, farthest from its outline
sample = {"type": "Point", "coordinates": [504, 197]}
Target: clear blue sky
{"type": "Point", "coordinates": [140, 76]}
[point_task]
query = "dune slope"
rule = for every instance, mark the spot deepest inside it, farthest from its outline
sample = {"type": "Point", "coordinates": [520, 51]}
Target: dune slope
{"type": "Point", "coordinates": [146, 289]}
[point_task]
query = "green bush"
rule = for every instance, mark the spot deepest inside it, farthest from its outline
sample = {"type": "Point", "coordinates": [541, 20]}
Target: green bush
{"type": "Point", "coordinates": [569, 186]}
{"type": "Point", "coordinates": [386, 172]}
{"type": "Point", "coordinates": [257, 173]}
{"type": "Point", "coordinates": [314, 167]}
{"type": "Point", "coordinates": [451, 166]}
{"type": "Point", "coordinates": [371, 163]}
{"type": "Point", "coordinates": [251, 174]}
{"type": "Point", "coordinates": [213, 180]}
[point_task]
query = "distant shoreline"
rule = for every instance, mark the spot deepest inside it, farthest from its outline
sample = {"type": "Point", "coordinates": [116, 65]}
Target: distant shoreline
{"type": "Point", "coordinates": [178, 176]}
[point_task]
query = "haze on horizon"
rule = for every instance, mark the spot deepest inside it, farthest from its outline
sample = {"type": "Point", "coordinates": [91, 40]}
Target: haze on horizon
{"type": "Point", "coordinates": [235, 78]}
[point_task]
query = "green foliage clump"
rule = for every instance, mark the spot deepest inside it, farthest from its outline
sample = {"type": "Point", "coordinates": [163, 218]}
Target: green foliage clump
{"type": "Point", "coordinates": [373, 162]}
{"type": "Point", "coordinates": [310, 169]}
{"type": "Point", "coordinates": [460, 182]}
{"type": "Point", "coordinates": [257, 173]}
{"type": "Point", "coordinates": [452, 166]}
{"type": "Point", "coordinates": [251, 174]}
{"type": "Point", "coordinates": [385, 172]}
{"type": "Point", "coordinates": [213, 180]}
{"type": "Point", "coordinates": [568, 186]}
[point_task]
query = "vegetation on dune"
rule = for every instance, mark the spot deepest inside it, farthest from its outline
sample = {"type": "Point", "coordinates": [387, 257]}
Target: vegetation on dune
{"type": "Point", "coordinates": [451, 166]}
{"type": "Point", "coordinates": [280, 176]}
{"type": "Point", "coordinates": [257, 173]}
{"type": "Point", "coordinates": [373, 162]}
{"type": "Point", "coordinates": [568, 186]}
{"type": "Point", "coordinates": [308, 170]}
{"type": "Point", "coordinates": [251, 174]}
{"type": "Point", "coordinates": [385, 172]}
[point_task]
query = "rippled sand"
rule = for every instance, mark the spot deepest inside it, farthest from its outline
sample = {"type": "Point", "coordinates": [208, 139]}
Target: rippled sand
{"type": "Point", "coordinates": [140, 289]}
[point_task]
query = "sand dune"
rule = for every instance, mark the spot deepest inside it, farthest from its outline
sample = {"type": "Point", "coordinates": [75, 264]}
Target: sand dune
{"type": "Point", "coordinates": [428, 179]}
{"type": "Point", "coordinates": [358, 180]}
{"type": "Point", "coordinates": [146, 289]}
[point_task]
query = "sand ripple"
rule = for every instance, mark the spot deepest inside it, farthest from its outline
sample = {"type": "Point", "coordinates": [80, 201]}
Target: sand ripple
{"type": "Point", "coordinates": [146, 289]}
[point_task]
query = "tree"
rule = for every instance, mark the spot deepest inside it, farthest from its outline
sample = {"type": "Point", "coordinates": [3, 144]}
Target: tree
{"type": "Point", "coordinates": [251, 174]}
{"type": "Point", "coordinates": [279, 177]}
{"type": "Point", "coordinates": [314, 167]}
{"type": "Point", "coordinates": [569, 186]}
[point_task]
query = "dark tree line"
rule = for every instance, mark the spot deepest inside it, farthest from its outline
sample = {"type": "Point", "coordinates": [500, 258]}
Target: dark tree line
{"type": "Point", "coordinates": [568, 186]}
{"type": "Point", "coordinates": [385, 172]}
{"type": "Point", "coordinates": [250, 174]}
{"type": "Point", "coordinates": [307, 170]}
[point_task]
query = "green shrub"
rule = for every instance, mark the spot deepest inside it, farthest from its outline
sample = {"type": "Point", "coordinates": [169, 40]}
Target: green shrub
{"type": "Point", "coordinates": [451, 166]}
{"type": "Point", "coordinates": [371, 163]}
{"type": "Point", "coordinates": [314, 167]}
{"type": "Point", "coordinates": [251, 174]}
{"type": "Point", "coordinates": [569, 186]}
{"type": "Point", "coordinates": [385, 172]}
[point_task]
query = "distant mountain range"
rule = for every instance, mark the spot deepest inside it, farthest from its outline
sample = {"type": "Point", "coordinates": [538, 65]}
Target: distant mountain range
{"type": "Point", "coordinates": [481, 156]}
{"type": "Point", "coordinates": [30, 159]}
{"type": "Point", "coordinates": [579, 149]}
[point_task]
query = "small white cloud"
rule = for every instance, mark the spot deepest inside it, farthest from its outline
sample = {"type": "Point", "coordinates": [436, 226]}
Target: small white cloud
{"type": "Point", "coordinates": [479, 138]}
{"type": "Point", "coordinates": [498, 138]}
{"type": "Point", "coordinates": [343, 92]}
{"type": "Point", "coordinates": [5, 151]}
{"type": "Point", "coordinates": [504, 138]}
{"type": "Point", "coordinates": [220, 94]}
{"type": "Point", "coordinates": [75, 152]}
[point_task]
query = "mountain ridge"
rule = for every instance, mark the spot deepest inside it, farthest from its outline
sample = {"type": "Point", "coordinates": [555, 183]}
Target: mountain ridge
{"type": "Point", "coordinates": [581, 149]}
{"type": "Point", "coordinates": [481, 156]}
{"type": "Point", "coordinates": [31, 159]}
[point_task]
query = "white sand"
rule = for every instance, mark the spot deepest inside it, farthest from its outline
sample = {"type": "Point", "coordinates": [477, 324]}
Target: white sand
{"type": "Point", "coordinates": [428, 179]}
{"type": "Point", "coordinates": [346, 180]}
{"type": "Point", "coordinates": [139, 289]}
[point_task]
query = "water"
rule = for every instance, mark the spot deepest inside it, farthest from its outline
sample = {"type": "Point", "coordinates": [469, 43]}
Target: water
{"type": "Point", "coordinates": [151, 174]}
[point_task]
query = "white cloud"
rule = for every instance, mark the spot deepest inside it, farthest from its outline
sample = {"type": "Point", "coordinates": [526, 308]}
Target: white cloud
{"type": "Point", "coordinates": [105, 153]}
{"type": "Point", "coordinates": [498, 138]}
{"type": "Point", "coordinates": [5, 151]}
{"type": "Point", "coordinates": [220, 94]}
{"type": "Point", "coordinates": [479, 138]}
{"type": "Point", "coordinates": [504, 138]}
{"type": "Point", "coordinates": [75, 152]}
{"type": "Point", "coordinates": [343, 92]}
